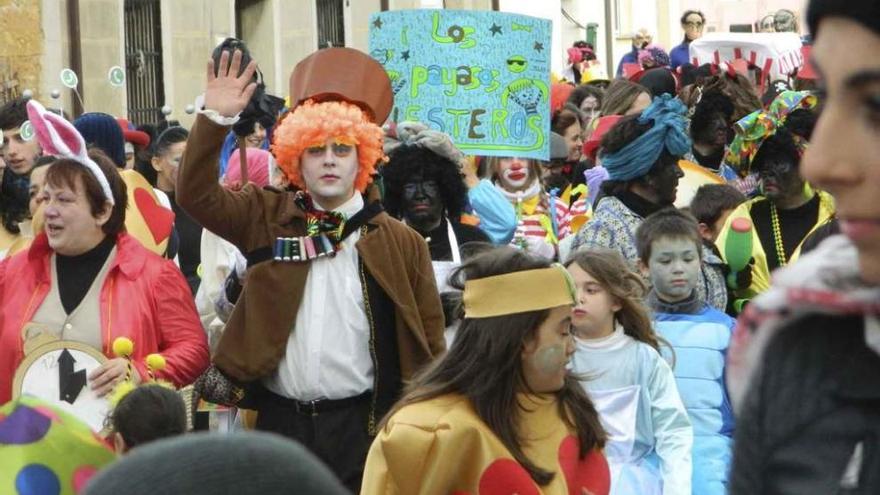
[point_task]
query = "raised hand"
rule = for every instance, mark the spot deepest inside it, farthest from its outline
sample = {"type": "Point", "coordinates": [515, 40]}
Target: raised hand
{"type": "Point", "coordinates": [226, 92]}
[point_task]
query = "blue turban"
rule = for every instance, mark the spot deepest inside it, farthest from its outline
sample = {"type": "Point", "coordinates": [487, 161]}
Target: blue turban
{"type": "Point", "coordinates": [670, 131]}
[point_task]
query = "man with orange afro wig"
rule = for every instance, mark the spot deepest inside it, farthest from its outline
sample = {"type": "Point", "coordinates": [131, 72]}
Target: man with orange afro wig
{"type": "Point", "coordinates": [340, 305]}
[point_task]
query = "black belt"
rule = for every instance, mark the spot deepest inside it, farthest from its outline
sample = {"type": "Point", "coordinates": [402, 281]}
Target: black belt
{"type": "Point", "coordinates": [316, 407]}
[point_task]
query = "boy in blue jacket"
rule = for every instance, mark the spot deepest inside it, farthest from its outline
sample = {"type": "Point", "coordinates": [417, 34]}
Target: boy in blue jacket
{"type": "Point", "coordinates": [670, 251]}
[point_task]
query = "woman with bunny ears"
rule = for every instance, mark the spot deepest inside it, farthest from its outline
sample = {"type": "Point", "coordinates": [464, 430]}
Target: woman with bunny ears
{"type": "Point", "coordinates": [85, 279]}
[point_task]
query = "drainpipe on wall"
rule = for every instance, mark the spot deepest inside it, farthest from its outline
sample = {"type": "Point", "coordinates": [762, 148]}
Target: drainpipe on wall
{"type": "Point", "coordinates": [609, 39]}
{"type": "Point", "coordinates": [75, 52]}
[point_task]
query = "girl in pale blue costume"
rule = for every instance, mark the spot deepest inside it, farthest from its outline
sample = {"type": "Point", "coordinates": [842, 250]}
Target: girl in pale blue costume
{"type": "Point", "coordinates": [649, 433]}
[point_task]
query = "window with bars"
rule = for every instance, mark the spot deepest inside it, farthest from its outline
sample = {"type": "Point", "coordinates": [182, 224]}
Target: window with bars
{"type": "Point", "coordinates": [143, 61]}
{"type": "Point", "coordinates": [331, 23]}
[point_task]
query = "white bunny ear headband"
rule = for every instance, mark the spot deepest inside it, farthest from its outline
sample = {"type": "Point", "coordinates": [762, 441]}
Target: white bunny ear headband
{"type": "Point", "coordinates": [60, 138]}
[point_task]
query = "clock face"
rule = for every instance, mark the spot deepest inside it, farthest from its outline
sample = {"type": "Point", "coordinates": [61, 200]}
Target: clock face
{"type": "Point", "coordinates": [58, 373]}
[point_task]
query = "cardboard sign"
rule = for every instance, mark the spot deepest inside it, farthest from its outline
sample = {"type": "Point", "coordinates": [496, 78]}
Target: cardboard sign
{"type": "Point", "coordinates": [481, 77]}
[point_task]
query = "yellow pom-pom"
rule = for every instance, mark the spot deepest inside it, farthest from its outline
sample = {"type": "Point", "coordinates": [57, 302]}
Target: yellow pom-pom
{"type": "Point", "coordinates": [156, 362]}
{"type": "Point", "coordinates": [120, 391]}
{"type": "Point", "coordinates": [123, 347]}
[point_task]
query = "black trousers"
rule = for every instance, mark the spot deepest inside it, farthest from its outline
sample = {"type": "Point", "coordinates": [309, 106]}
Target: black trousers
{"type": "Point", "coordinates": [339, 437]}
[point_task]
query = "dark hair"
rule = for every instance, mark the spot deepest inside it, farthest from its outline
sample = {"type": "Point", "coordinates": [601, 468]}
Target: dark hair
{"type": "Point", "coordinates": [692, 11]}
{"type": "Point", "coordinates": [64, 172]}
{"type": "Point", "coordinates": [13, 208]}
{"type": "Point", "coordinates": [13, 114]}
{"type": "Point", "coordinates": [563, 119]}
{"type": "Point", "coordinates": [148, 413]}
{"type": "Point", "coordinates": [484, 365]}
{"type": "Point", "coordinates": [409, 162]}
{"type": "Point", "coordinates": [584, 91]}
{"type": "Point", "coordinates": [711, 200]}
{"type": "Point", "coordinates": [659, 80]}
{"type": "Point", "coordinates": [739, 89]}
{"type": "Point", "coordinates": [620, 96]}
{"type": "Point", "coordinates": [625, 287]}
{"type": "Point", "coordinates": [668, 222]}
{"type": "Point", "coordinates": [782, 145]}
{"type": "Point", "coordinates": [168, 138]}
{"type": "Point", "coordinates": [865, 13]}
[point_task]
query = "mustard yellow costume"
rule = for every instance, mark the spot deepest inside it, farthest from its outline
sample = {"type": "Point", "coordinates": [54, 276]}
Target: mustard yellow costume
{"type": "Point", "coordinates": [440, 446]}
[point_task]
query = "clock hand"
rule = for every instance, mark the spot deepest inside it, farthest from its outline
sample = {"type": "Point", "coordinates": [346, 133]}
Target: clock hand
{"type": "Point", "coordinates": [70, 383]}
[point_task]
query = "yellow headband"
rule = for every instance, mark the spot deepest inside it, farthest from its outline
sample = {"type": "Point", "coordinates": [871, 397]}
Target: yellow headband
{"type": "Point", "coordinates": [518, 292]}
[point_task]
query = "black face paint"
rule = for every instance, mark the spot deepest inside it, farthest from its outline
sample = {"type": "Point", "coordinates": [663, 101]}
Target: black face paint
{"type": "Point", "coordinates": [664, 179]}
{"type": "Point", "coordinates": [779, 178]}
{"type": "Point", "coordinates": [422, 206]}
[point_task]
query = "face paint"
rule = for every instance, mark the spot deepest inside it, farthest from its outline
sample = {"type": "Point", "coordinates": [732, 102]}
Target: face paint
{"type": "Point", "coordinates": [422, 206]}
{"type": "Point", "coordinates": [549, 360]}
{"type": "Point", "coordinates": [665, 181]}
{"type": "Point", "coordinates": [514, 174]}
{"type": "Point", "coordinates": [779, 179]}
{"type": "Point", "coordinates": [675, 267]}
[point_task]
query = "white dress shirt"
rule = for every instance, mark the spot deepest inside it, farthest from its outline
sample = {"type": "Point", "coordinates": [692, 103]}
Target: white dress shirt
{"type": "Point", "coordinates": [328, 351]}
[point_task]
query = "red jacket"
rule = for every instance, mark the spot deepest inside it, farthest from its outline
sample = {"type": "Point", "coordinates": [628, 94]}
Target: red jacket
{"type": "Point", "coordinates": [144, 298]}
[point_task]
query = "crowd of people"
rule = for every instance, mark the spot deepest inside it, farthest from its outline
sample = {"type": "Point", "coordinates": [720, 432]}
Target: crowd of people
{"type": "Point", "coordinates": [421, 321]}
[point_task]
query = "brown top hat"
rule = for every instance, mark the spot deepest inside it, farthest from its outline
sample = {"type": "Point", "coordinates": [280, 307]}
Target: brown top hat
{"type": "Point", "coordinates": [343, 74]}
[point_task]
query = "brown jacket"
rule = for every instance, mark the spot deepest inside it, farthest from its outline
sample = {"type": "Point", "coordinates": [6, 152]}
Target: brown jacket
{"type": "Point", "coordinates": [256, 334]}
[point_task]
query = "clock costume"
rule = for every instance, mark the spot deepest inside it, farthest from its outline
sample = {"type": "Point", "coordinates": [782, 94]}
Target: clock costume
{"type": "Point", "coordinates": [339, 307]}
{"type": "Point", "coordinates": [117, 289]}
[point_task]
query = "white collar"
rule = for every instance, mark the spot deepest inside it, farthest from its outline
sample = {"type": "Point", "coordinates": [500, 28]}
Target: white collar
{"type": "Point", "coordinates": [615, 340]}
{"type": "Point", "coordinates": [349, 208]}
{"type": "Point", "coordinates": [515, 197]}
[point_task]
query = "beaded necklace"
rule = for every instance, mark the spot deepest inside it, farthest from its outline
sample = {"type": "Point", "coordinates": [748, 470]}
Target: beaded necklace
{"type": "Point", "coordinates": [777, 235]}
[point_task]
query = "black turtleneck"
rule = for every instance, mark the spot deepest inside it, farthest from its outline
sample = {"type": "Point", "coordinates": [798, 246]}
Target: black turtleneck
{"type": "Point", "coordinates": [637, 204]}
{"type": "Point", "coordinates": [76, 273]}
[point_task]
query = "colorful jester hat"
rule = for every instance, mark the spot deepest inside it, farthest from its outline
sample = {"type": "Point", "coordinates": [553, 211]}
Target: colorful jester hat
{"type": "Point", "coordinates": [753, 129]}
{"type": "Point", "coordinates": [58, 137]}
{"type": "Point", "coordinates": [47, 451]}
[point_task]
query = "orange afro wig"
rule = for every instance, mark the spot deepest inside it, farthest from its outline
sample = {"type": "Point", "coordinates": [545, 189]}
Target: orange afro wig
{"type": "Point", "coordinates": [313, 124]}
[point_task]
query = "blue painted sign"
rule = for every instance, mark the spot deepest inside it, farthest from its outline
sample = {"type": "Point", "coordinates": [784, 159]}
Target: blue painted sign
{"type": "Point", "coordinates": [481, 77]}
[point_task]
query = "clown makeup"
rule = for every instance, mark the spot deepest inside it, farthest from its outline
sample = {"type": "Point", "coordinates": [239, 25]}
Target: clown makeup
{"type": "Point", "coordinates": [546, 355]}
{"type": "Point", "coordinates": [589, 110]}
{"type": "Point", "coordinates": [422, 205]}
{"type": "Point", "coordinates": [329, 170]}
{"type": "Point", "coordinates": [514, 174]}
{"type": "Point", "coordinates": [674, 267]}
